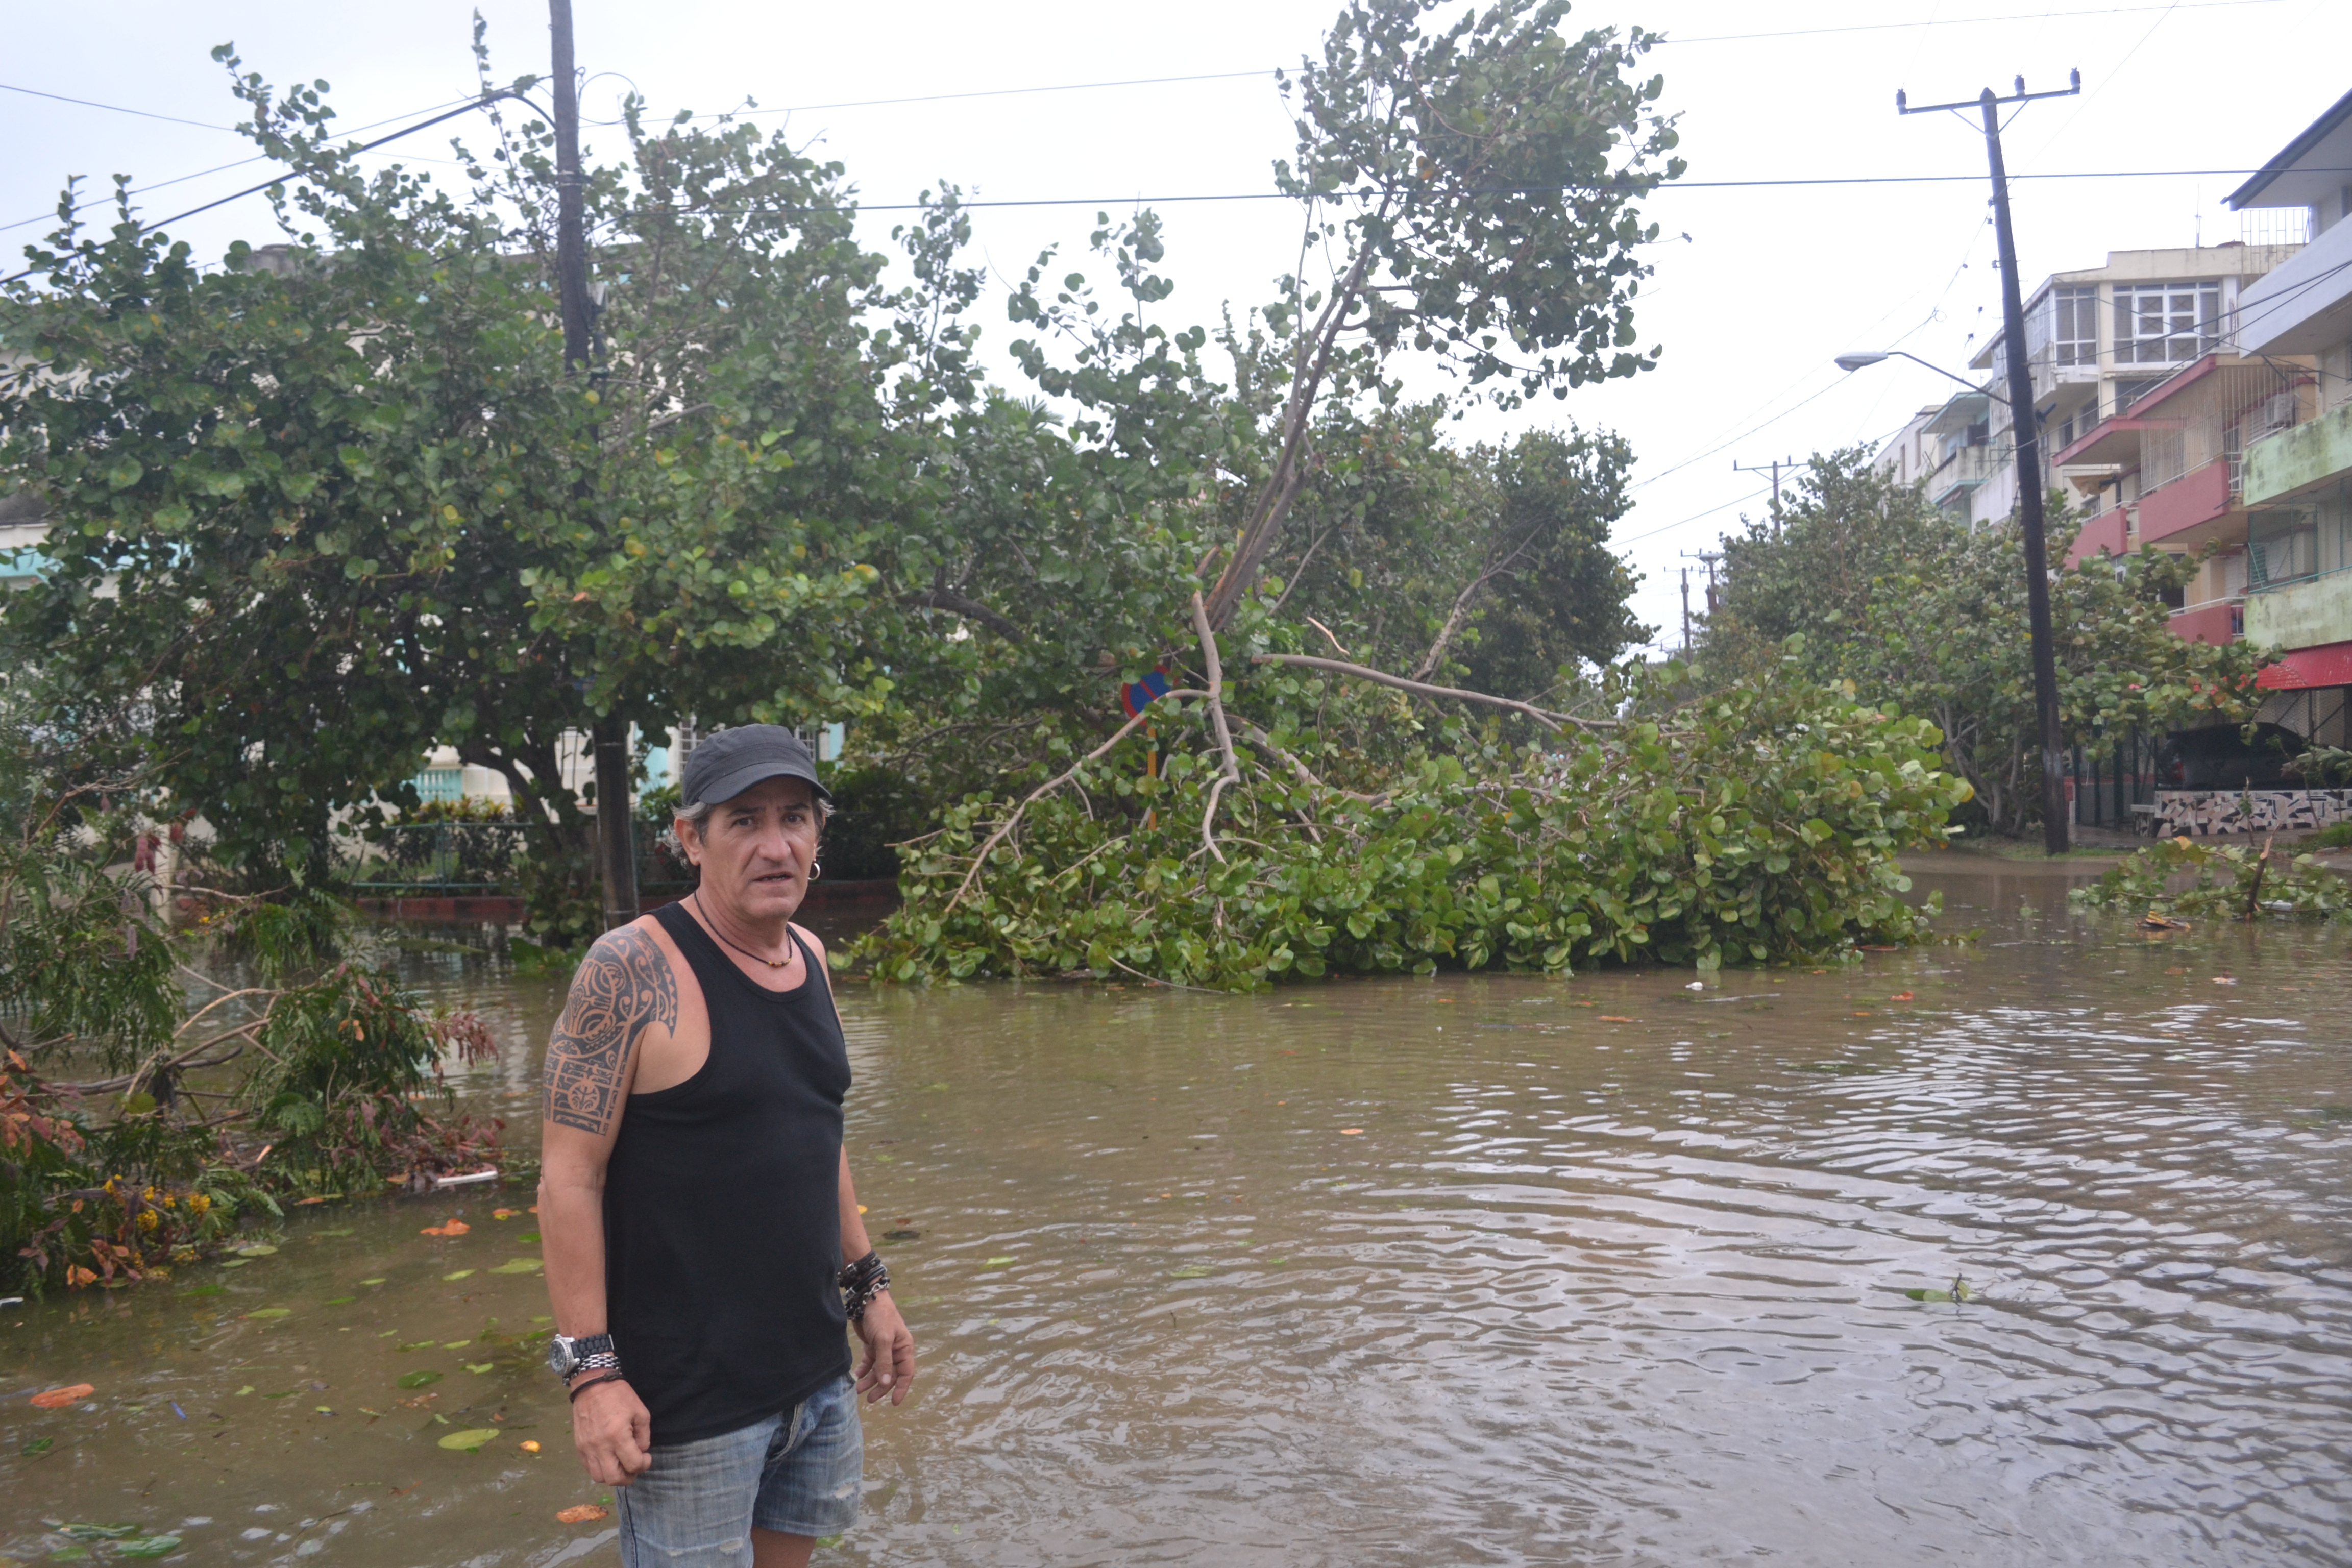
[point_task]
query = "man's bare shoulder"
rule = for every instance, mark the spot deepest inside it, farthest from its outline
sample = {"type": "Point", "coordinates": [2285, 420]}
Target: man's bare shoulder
{"type": "Point", "coordinates": [816, 942]}
{"type": "Point", "coordinates": [624, 985]}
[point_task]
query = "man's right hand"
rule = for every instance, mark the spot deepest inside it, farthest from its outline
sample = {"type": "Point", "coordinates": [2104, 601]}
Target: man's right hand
{"type": "Point", "coordinates": [614, 1433]}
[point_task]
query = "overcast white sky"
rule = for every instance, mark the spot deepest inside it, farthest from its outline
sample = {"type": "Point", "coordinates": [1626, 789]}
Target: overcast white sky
{"type": "Point", "coordinates": [1772, 282]}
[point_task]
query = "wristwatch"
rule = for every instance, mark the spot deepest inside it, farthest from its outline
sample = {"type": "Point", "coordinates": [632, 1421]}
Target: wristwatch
{"type": "Point", "coordinates": [567, 1358]}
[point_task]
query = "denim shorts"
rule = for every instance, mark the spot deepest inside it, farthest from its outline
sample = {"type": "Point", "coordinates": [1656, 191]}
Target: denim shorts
{"type": "Point", "coordinates": [798, 1473]}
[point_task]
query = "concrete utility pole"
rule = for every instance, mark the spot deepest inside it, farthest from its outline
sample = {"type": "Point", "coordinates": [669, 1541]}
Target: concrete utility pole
{"type": "Point", "coordinates": [616, 853]}
{"type": "Point", "coordinates": [2026, 433]}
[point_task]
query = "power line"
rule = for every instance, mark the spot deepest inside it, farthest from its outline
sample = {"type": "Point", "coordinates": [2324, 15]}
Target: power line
{"type": "Point", "coordinates": [116, 108]}
{"type": "Point", "coordinates": [998, 92]}
{"type": "Point", "coordinates": [1965, 21]}
{"type": "Point", "coordinates": [50, 217]}
{"type": "Point", "coordinates": [1664, 42]}
{"type": "Point", "coordinates": [465, 107]}
{"type": "Point", "coordinates": [1642, 186]}
{"type": "Point", "coordinates": [1694, 517]}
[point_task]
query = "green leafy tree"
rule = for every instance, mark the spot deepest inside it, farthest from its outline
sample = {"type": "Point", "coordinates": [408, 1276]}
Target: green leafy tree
{"type": "Point", "coordinates": [1922, 612]}
{"type": "Point", "coordinates": [1492, 565]}
{"type": "Point", "coordinates": [1814, 566]}
{"type": "Point", "coordinates": [1476, 188]}
{"type": "Point", "coordinates": [325, 506]}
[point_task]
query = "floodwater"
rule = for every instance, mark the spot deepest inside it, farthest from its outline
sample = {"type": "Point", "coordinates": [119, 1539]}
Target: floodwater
{"type": "Point", "coordinates": [1455, 1271]}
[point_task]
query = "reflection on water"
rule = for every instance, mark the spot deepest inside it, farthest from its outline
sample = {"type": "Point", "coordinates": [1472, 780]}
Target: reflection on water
{"type": "Point", "coordinates": [1463, 1270]}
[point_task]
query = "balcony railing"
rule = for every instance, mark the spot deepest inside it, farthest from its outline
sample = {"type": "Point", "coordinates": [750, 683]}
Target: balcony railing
{"type": "Point", "coordinates": [2215, 621]}
{"type": "Point", "coordinates": [1965, 469]}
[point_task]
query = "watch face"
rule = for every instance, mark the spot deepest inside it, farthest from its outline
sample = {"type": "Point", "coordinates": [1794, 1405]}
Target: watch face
{"type": "Point", "coordinates": [559, 1357]}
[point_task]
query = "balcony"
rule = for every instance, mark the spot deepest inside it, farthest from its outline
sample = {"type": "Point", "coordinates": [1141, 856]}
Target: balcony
{"type": "Point", "coordinates": [1963, 471]}
{"type": "Point", "coordinates": [2193, 510]}
{"type": "Point", "coordinates": [2293, 462]}
{"type": "Point", "coordinates": [2104, 532]}
{"type": "Point", "coordinates": [2303, 614]}
{"type": "Point", "coordinates": [2215, 622]}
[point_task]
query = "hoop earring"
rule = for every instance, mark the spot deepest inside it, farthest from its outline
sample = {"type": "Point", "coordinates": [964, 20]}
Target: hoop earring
{"type": "Point", "coordinates": [816, 870]}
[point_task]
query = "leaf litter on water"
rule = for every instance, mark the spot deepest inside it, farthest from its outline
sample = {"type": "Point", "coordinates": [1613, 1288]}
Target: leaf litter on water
{"type": "Point", "coordinates": [471, 1440]}
{"type": "Point", "coordinates": [419, 1379]}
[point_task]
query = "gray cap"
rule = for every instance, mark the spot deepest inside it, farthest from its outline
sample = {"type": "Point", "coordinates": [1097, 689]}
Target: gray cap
{"type": "Point", "coordinates": [732, 760]}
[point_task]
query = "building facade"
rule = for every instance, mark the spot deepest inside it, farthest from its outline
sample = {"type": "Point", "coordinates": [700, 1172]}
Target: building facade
{"type": "Point", "coordinates": [2297, 482]}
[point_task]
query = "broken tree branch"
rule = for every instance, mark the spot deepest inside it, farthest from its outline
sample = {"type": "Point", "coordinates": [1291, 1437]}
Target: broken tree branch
{"type": "Point", "coordinates": [1233, 773]}
{"type": "Point", "coordinates": [1303, 774]}
{"type": "Point", "coordinates": [1282, 486]}
{"type": "Point", "coordinates": [980, 859]}
{"type": "Point", "coordinates": [956, 604]}
{"type": "Point", "coordinates": [1553, 722]}
{"type": "Point", "coordinates": [1459, 615]}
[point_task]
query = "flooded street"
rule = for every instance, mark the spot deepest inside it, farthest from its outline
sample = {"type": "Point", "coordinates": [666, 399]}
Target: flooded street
{"type": "Point", "coordinates": [1467, 1270]}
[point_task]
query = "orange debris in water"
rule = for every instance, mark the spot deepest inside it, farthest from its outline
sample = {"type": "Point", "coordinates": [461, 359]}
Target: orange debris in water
{"type": "Point", "coordinates": [58, 1398]}
{"type": "Point", "coordinates": [452, 1227]}
{"type": "Point", "coordinates": [582, 1512]}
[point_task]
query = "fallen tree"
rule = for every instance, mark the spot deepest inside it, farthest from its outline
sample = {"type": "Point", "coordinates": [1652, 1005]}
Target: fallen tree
{"type": "Point", "coordinates": [151, 1111]}
{"type": "Point", "coordinates": [1755, 826]}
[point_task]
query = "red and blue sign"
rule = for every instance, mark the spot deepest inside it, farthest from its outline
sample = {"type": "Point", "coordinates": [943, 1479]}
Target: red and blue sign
{"type": "Point", "coordinates": [1137, 695]}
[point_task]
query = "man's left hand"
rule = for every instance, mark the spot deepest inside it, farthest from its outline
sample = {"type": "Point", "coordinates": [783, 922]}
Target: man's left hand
{"type": "Point", "coordinates": [889, 1365]}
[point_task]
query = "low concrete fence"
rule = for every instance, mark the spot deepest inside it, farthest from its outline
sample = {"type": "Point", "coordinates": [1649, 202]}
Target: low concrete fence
{"type": "Point", "coordinates": [2218, 813]}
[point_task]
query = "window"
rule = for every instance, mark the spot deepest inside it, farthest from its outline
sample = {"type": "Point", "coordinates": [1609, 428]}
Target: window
{"type": "Point", "coordinates": [2167, 323]}
{"type": "Point", "coordinates": [2076, 339]}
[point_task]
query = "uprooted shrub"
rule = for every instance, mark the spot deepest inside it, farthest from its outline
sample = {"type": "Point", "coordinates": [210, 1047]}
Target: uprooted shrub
{"type": "Point", "coordinates": [319, 1079]}
{"type": "Point", "coordinates": [1755, 826]}
{"type": "Point", "coordinates": [2198, 879]}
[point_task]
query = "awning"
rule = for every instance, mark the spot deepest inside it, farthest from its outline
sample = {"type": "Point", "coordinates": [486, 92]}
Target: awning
{"type": "Point", "coordinates": [2328, 664]}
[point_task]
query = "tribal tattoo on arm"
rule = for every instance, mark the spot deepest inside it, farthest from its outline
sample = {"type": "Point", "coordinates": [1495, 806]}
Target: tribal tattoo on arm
{"type": "Point", "coordinates": [622, 985]}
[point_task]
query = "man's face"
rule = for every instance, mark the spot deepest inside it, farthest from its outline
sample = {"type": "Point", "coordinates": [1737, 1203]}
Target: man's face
{"type": "Point", "coordinates": [755, 851]}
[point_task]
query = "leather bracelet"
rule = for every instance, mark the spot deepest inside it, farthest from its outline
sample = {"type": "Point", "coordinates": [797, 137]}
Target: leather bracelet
{"type": "Point", "coordinates": [860, 1283]}
{"type": "Point", "coordinates": [585, 1383]}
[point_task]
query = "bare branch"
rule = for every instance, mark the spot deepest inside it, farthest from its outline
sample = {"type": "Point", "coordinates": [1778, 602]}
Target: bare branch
{"type": "Point", "coordinates": [1233, 773]}
{"type": "Point", "coordinates": [1553, 722]}
{"type": "Point", "coordinates": [1282, 487]}
{"type": "Point", "coordinates": [981, 857]}
{"type": "Point", "coordinates": [955, 604]}
{"type": "Point", "coordinates": [1304, 774]}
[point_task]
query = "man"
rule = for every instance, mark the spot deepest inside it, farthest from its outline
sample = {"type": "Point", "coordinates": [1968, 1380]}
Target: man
{"type": "Point", "coordinates": [704, 1249]}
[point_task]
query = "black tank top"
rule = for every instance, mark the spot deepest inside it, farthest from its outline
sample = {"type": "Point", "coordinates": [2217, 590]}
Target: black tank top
{"type": "Point", "coordinates": [722, 1224]}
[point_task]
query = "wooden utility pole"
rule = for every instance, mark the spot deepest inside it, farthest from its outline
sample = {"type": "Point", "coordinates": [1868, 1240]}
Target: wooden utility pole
{"type": "Point", "coordinates": [617, 856]}
{"type": "Point", "coordinates": [2025, 432]}
{"type": "Point", "coordinates": [1774, 466]}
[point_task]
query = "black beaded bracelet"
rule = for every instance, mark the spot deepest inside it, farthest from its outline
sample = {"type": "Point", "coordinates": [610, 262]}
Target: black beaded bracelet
{"type": "Point", "coordinates": [860, 1282]}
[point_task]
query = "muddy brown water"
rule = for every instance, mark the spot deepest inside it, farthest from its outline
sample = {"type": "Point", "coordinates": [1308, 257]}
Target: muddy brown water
{"type": "Point", "coordinates": [1471, 1271]}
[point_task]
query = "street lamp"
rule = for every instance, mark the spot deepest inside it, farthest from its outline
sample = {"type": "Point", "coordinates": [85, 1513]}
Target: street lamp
{"type": "Point", "coordinates": [1854, 362]}
{"type": "Point", "coordinates": [2026, 437]}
